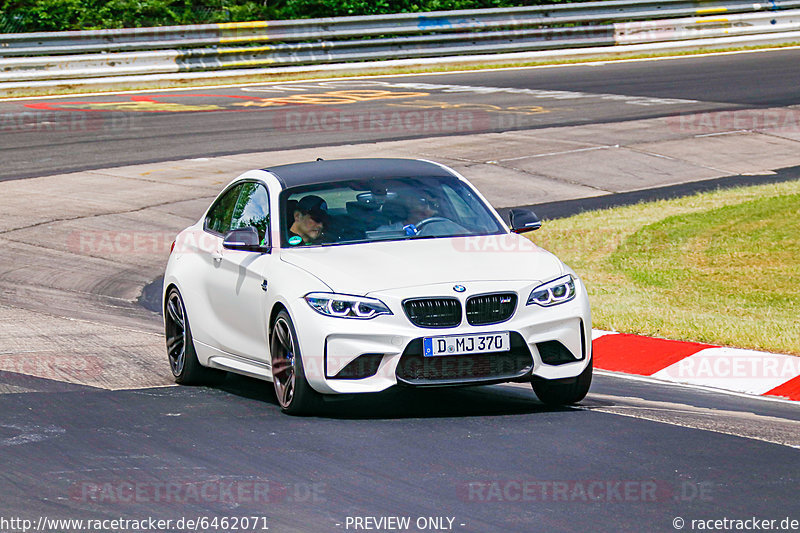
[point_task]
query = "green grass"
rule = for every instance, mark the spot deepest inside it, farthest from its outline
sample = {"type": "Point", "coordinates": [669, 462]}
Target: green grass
{"type": "Point", "coordinates": [721, 267]}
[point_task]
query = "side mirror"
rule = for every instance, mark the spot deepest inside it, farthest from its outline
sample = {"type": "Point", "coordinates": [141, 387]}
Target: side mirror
{"type": "Point", "coordinates": [522, 220]}
{"type": "Point", "coordinates": [245, 240]}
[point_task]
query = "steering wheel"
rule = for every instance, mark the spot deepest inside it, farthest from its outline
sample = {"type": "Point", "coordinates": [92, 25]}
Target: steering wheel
{"type": "Point", "coordinates": [422, 223]}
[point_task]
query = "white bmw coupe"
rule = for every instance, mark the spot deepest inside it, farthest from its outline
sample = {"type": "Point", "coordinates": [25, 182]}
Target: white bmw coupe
{"type": "Point", "coordinates": [353, 276]}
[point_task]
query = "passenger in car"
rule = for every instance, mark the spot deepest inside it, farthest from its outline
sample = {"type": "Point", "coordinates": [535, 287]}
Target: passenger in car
{"type": "Point", "coordinates": [310, 216]}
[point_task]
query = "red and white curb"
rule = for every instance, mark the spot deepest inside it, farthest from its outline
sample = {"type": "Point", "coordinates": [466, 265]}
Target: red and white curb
{"type": "Point", "coordinates": [732, 369]}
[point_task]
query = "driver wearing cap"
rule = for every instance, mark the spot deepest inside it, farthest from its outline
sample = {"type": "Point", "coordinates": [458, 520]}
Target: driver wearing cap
{"type": "Point", "coordinates": [310, 217]}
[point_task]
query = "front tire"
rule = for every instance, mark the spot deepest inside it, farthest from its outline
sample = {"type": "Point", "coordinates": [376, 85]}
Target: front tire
{"type": "Point", "coordinates": [567, 391]}
{"type": "Point", "coordinates": [186, 369]}
{"type": "Point", "coordinates": [295, 396]}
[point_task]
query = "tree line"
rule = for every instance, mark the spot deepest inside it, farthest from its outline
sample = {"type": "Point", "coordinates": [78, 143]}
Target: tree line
{"type": "Point", "coordinates": [17, 16]}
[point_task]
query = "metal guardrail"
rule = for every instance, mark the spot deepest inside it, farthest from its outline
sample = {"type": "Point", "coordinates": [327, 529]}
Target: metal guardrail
{"type": "Point", "coordinates": [126, 52]}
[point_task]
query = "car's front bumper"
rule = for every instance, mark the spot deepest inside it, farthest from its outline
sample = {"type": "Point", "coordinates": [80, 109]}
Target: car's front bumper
{"type": "Point", "coordinates": [328, 345]}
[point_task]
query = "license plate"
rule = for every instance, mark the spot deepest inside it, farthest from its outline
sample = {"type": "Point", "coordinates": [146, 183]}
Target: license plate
{"type": "Point", "coordinates": [466, 344]}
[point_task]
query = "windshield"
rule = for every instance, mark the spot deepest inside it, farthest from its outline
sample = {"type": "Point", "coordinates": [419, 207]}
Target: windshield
{"type": "Point", "coordinates": [346, 212]}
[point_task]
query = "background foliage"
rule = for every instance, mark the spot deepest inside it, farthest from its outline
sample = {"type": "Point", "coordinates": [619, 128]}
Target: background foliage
{"type": "Point", "coordinates": [57, 15]}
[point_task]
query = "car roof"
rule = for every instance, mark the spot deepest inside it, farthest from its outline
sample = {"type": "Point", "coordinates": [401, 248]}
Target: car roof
{"type": "Point", "coordinates": [322, 171]}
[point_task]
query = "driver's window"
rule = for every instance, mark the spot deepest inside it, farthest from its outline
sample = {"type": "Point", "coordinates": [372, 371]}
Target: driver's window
{"type": "Point", "coordinates": [252, 210]}
{"type": "Point", "coordinates": [219, 216]}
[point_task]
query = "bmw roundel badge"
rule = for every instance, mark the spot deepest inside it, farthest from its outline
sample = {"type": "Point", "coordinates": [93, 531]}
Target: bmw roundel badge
{"type": "Point", "coordinates": [459, 288]}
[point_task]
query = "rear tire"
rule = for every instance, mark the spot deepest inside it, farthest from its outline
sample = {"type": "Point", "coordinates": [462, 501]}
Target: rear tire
{"type": "Point", "coordinates": [567, 391]}
{"type": "Point", "coordinates": [295, 396]}
{"type": "Point", "coordinates": [186, 369]}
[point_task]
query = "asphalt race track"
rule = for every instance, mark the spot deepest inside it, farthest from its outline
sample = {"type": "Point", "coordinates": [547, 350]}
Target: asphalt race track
{"type": "Point", "coordinates": [60, 135]}
{"type": "Point", "coordinates": [462, 453]}
{"type": "Point", "coordinates": [91, 429]}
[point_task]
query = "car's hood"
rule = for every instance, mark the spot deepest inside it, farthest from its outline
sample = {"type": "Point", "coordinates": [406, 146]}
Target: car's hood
{"type": "Point", "coordinates": [368, 267]}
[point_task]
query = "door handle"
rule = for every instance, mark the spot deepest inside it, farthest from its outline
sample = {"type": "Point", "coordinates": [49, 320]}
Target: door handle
{"type": "Point", "coordinates": [264, 285]}
{"type": "Point", "coordinates": [216, 255]}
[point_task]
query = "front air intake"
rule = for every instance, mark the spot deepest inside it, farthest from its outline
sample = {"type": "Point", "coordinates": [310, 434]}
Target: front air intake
{"type": "Point", "coordinates": [364, 366]}
{"type": "Point", "coordinates": [555, 353]}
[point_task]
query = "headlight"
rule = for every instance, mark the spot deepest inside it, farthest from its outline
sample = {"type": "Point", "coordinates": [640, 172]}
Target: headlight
{"type": "Point", "coordinates": [553, 292]}
{"type": "Point", "coordinates": [346, 306]}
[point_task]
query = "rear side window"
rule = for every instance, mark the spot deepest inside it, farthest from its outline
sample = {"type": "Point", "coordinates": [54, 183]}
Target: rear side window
{"type": "Point", "coordinates": [219, 216]}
